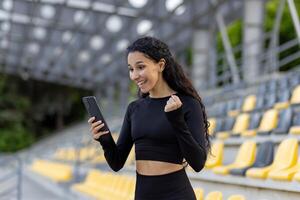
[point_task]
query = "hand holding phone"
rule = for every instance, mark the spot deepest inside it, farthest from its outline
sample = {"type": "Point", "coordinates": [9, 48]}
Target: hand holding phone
{"type": "Point", "coordinates": [98, 124]}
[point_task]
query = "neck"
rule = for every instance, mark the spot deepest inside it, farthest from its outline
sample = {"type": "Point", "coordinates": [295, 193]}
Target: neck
{"type": "Point", "coordinates": [161, 89]}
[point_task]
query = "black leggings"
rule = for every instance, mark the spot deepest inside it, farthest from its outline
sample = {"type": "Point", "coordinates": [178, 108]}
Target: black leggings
{"type": "Point", "coordinates": [171, 186]}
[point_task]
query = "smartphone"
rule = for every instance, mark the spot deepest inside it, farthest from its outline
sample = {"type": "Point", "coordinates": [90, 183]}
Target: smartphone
{"type": "Point", "coordinates": [90, 103]}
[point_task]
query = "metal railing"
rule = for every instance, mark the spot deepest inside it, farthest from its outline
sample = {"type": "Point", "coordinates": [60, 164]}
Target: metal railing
{"type": "Point", "coordinates": [11, 178]}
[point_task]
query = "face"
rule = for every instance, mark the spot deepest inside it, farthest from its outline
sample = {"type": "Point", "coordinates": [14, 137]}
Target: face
{"type": "Point", "coordinates": [145, 72]}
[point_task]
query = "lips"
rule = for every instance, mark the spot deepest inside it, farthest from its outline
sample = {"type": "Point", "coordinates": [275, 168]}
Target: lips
{"type": "Point", "coordinates": [141, 83]}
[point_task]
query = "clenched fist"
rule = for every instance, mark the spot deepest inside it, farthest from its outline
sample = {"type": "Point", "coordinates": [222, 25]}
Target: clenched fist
{"type": "Point", "coordinates": [173, 103]}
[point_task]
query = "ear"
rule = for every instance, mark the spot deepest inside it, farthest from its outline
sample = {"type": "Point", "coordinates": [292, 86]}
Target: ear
{"type": "Point", "coordinates": [162, 64]}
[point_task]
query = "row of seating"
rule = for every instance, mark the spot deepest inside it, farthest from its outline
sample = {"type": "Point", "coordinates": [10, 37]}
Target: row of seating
{"type": "Point", "coordinates": [272, 121]}
{"type": "Point", "coordinates": [256, 102]}
{"type": "Point", "coordinates": [90, 153]}
{"type": "Point", "coordinates": [259, 162]}
{"type": "Point", "coordinates": [215, 195]}
{"type": "Point", "coordinates": [106, 186]}
{"type": "Point", "coordinates": [55, 171]}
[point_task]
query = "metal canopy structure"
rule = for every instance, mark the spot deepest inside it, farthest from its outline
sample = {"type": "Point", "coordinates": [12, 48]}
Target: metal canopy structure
{"type": "Point", "coordinates": [81, 42]}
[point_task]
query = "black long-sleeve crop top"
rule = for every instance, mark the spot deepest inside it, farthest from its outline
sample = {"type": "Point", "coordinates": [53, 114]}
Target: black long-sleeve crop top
{"type": "Point", "coordinates": [159, 135]}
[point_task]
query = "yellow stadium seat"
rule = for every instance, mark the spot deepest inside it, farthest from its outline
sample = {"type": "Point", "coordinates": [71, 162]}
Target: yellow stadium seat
{"type": "Point", "coordinates": [115, 187]}
{"type": "Point", "coordinates": [286, 156]}
{"type": "Point", "coordinates": [236, 197]}
{"type": "Point", "coordinates": [282, 105]}
{"type": "Point", "coordinates": [297, 176]}
{"type": "Point", "coordinates": [215, 195]}
{"type": "Point", "coordinates": [199, 192]}
{"type": "Point", "coordinates": [55, 171]}
{"type": "Point", "coordinates": [241, 124]}
{"type": "Point", "coordinates": [212, 125]}
{"type": "Point", "coordinates": [295, 99]}
{"type": "Point", "coordinates": [245, 157]}
{"type": "Point", "coordinates": [216, 156]}
{"type": "Point", "coordinates": [268, 123]}
{"type": "Point", "coordinates": [295, 130]}
{"type": "Point", "coordinates": [285, 174]}
{"type": "Point", "coordinates": [249, 103]}
{"type": "Point", "coordinates": [233, 113]}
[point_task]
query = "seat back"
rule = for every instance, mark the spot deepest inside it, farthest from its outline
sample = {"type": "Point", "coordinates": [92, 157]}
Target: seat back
{"type": "Point", "coordinates": [246, 154]}
{"type": "Point", "coordinates": [236, 197]}
{"type": "Point", "coordinates": [269, 120]}
{"type": "Point", "coordinates": [265, 154]}
{"type": "Point", "coordinates": [255, 119]}
{"type": "Point", "coordinates": [286, 154]}
{"type": "Point", "coordinates": [216, 156]}
{"type": "Point", "coordinates": [285, 119]}
{"type": "Point", "coordinates": [249, 103]}
{"type": "Point", "coordinates": [259, 102]}
{"type": "Point", "coordinates": [228, 123]}
{"type": "Point", "coordinates": [241, 123]}
{"type": "Point", "coordinates": [283, 95]}
{"type": "Point", "coordinates": [199, 192]}
{"type": "Point", "coordinates": [215, 195]}
{"type": "Point", "coordinates": [269, 100]}
{"type": "Point", "coordinates": [296, 119]}
{"type": "Point", "coordinates": [212, 125]}
{"type": "Point", "coordinates": [295, 99]}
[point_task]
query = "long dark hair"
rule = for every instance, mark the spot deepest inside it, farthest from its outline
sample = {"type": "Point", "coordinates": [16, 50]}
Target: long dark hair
{"type": "Point", "coordinates": [173, 73]}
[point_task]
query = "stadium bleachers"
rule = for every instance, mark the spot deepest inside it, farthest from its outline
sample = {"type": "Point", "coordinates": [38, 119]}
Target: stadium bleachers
{"type": "Point", "coordinates": [254, 147]}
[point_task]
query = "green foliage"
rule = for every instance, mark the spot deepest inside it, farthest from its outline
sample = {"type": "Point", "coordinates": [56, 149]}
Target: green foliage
{"type": "Point", "coordinates": [14, 139]}
{"type": "Point", "coordinates": [30, 110]}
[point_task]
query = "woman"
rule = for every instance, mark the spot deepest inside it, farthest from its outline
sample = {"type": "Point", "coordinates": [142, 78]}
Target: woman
{"type": "Point", "coordinates": [167, 124]}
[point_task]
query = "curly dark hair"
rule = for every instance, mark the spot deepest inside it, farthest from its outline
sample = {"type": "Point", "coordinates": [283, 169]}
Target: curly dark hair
{"type": "Point", "coordinates": [173, 73]}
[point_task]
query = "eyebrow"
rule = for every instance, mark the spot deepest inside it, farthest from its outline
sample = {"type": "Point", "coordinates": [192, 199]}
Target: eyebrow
{"type": "Point", "coordinates": [137, 62]}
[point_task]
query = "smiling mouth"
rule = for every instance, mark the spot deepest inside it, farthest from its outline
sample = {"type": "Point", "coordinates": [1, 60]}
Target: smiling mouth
{"type": "Point", "coordinates": [141, 83]}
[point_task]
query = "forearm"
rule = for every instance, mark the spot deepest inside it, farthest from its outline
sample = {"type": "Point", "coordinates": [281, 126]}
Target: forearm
{"type": "Point", "coordinates": [192, 151]}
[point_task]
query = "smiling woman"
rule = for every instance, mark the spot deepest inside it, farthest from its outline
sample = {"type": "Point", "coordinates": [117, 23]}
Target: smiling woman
{"type": "Point", "coordinates": [167, 124]}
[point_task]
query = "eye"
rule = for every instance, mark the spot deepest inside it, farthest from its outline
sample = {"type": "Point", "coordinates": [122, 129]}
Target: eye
{"type": "Point", "coordinates": [141, 67]}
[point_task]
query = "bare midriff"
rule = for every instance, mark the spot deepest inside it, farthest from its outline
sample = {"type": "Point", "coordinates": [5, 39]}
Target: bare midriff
{"type": "Point", "coordinates": [150, 167]}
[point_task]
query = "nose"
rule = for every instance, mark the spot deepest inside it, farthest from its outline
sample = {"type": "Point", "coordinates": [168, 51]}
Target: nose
{"type": "Point", "coordinates": [135, 75]}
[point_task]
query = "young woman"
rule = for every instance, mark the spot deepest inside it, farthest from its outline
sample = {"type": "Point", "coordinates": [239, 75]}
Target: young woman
{"type": "Point", "coordinates": [167, 124]}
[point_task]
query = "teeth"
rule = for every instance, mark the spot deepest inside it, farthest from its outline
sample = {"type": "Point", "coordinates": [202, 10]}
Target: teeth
{"type": "Point", "coordinates": [141, 83]}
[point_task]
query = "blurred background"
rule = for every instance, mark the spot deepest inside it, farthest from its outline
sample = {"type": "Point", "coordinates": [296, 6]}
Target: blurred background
{"type": "Point", "coordinates": [243, 57]}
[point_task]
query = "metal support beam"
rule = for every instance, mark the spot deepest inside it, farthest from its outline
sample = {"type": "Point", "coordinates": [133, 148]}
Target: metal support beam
{"type": "Point", "coordinates": [252, 39]}
{"type": "Point", "coordinates": [295, 17]}
{"type": "Point", "coordinates": [228, 49]}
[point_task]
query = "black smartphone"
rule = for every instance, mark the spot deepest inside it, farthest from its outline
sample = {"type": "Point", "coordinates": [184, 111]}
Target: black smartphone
{"type": "Point", "coordinates": [90, 103]}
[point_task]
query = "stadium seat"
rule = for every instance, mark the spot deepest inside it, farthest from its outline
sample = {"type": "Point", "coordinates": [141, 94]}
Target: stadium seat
{"type": "Point", "coordinates": [212, 125]}
{"type": "Point", "coordinates": [269, 100]}
{"type": "Point", "coordinates": [285, 157]}
{"type": "Point", "coordinates": [295, 128]}
{"type": "Point", "coordinates": [285, 121]}
{"type": "Point", "coordinates": [55, 171]}
{"type": "Point", "coordinates": [244, 158]}
{"type": "Point", "coordinates": [199, 192]}
{"type": "Point", "coordinates": [268, 123]}
{"type": "Point", "coordinates": [295, 99]}
{"type": "Point", "coordinates": [216, 156]}
{"type": "Point", "coordinates": [236, 107]}
{"type": "Point", "coordinates": [249, 103]}
{"type": "Point", "coordinates": [264, 157]}
{"type": "Point", "coordinates": [241, 124]}
{"type": "Point", "coordinates": [283, 97]}
{"type": "Point", "coordinates": [260, 100]}
{"type": "Point", "coordinates": [297, 176]}
{"type": "Point", "coordinates": [215, 195]}
{"type": "Point", "coordinates": [227, 125]}
{"type": "Point", "coordinates": [115, 187]}
{"type": "Point", "coordinates": [285, 174]}
{"type": "Point", "coordinates": [236, 197]}
{"type": "Point", "coordinates": [255, 119]}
